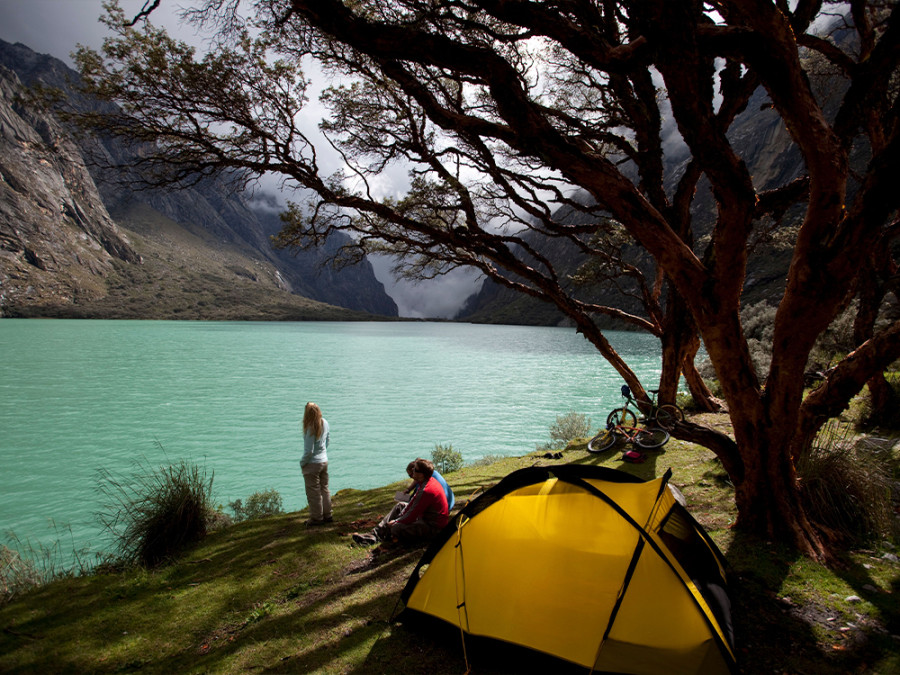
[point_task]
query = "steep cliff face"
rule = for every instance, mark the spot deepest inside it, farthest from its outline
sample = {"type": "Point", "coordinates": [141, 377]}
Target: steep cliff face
{"type": "Point", "coordinates": [57, 240]}
{"type": "Point", "coordinates": [222, 220]}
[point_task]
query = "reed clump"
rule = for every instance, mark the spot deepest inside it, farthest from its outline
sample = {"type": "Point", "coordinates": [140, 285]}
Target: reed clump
{"type": "Point", "coordinates": [847, 484]}
{"type": "Point", "coordinates": [17, 574]}
{"type": "Point", "coordinates": [155, 514]}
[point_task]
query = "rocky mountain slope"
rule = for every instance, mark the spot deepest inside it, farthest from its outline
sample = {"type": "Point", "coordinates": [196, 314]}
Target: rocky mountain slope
{"type": "Point", "coordinates": [76, 240]}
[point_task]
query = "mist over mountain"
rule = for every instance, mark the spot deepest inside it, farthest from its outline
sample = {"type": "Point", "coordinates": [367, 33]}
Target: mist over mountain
{"type": "Point", "coordinates": [79, 240]}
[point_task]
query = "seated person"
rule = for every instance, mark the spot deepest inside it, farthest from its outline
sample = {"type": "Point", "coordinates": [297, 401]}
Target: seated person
{"type": "Point", "coordinates": [411, 490]}
{"type": "Point", "coordinates": [421, 518]}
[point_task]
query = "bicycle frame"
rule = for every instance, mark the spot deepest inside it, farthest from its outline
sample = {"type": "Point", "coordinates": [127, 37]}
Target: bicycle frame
{"type": "Point", "coordinates": [651, 402]}
{"type": "Point", "coordinates": [628, 433]}
{"type": "Point", "coordinates": [642, 437]}
{"type": "Point", "coordinates": [665, 415]}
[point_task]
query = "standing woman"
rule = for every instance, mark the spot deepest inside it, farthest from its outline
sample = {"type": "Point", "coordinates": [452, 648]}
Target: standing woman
{"type": "Point", "coordinates": [314, 465]}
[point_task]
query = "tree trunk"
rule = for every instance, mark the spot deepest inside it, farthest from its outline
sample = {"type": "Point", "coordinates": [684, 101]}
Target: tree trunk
{"type": "Point", "coordinates": [678, 330]}
{"type": "Point", "coordinates": [875, 282]}
{"type": "Point", "coordinates": [704, 401]}
{"type": "Point", "coordinates": [680, 344]}
{"type": "Point", "coordinates": [769, 504]}
{"type": "Point", "coordinates": [882, 400]}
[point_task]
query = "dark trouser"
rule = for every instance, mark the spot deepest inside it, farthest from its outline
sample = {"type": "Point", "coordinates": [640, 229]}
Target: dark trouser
{"type": "Point", "coordinates": [405, 532]}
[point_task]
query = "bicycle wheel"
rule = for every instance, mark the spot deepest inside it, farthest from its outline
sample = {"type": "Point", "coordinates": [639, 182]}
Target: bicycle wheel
{"type": "Point", "coordinates": [649, 439]}
{"type": "Point", "coordinates": [668, 415]}
{"type": "Point", "coordinates": [623, 417]}
{"type": "Point", "coordinates": [602, 441]}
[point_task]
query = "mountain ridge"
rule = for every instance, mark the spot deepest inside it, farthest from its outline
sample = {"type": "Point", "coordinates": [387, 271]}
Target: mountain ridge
{"type": "Point", "coordinates": [59, 246]}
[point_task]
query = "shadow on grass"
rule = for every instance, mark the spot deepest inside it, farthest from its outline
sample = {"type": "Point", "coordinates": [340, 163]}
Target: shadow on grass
{"type": "Point", "coordinates": [221, 590]}
{"type": "Point", "coordinates": [424, 644]}
{"type": "Point", "coordinates": [646, 470]}
{"type": "Point", "coordinates": [327, 615]}
{"type": "Point", "coordinates": [775, 634]}
{"type": "Point", "coordinates": [274, 596]}
{"type": "Point", "coordinates": [872, 641]}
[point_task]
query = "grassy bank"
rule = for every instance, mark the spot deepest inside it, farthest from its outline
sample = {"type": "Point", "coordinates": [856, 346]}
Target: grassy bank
{"type": "Point", "coordinates": [270, 595]}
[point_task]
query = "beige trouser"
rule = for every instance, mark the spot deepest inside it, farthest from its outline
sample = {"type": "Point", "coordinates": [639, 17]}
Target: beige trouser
{"type": "Point", "coordinates": [315, 477]}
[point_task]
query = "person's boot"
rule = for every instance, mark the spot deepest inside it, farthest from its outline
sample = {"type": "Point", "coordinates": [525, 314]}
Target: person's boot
{"type": "Point", "coordinates": [366, 539]}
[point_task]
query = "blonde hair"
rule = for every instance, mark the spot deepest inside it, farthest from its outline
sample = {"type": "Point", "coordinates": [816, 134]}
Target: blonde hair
{"type": "Point", "coordinates": [312, 420]}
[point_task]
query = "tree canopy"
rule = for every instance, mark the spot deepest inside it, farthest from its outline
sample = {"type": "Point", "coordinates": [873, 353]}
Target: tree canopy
{"type": "Point", "coordinates": [506, 113]}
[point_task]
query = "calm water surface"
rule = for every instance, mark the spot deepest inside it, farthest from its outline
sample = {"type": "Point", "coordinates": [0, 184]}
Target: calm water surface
{"type": "Point", "coordinates": [78, 396]}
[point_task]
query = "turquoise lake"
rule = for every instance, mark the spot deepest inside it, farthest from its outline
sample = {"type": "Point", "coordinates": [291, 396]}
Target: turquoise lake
{"type": "Point", "coordinates": [80, 396]}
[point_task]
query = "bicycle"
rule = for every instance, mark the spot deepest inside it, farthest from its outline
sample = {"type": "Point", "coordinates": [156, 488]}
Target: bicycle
{"type": "Point", "coordinates": [645, 438]}
{"type": "Point", "coordinates": [665, 416]}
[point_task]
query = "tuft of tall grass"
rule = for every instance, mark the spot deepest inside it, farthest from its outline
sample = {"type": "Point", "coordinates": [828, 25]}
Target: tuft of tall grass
{"type": "Point", "coordinates": [26, 565]}
{"type": "Point", "coordinates": [847, 485]}
{"type": "Point", "coordinates": [17, 574]}
{"type": "Point", "coordinates": [157, 513]}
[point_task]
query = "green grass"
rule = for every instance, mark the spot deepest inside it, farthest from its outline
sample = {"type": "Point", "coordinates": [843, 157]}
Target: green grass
{"type": "Point", "coordinates": [270, 595]}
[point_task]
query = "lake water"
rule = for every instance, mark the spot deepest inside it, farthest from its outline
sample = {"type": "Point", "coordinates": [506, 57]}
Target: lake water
{"type": "Point", "coordinates": [80, 396]}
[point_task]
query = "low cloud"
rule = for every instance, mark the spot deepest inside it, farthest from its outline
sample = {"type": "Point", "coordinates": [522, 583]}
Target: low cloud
{"type": "Point", "coordinates": [439, 298]}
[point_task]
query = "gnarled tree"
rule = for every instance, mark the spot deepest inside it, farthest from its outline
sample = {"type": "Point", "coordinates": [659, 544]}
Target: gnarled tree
{"type": "Point", "coordinates": [506, 110]}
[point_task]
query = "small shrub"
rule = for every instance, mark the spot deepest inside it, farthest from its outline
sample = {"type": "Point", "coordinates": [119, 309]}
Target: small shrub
{"type": "Point", "coordinates": [218, 519]}
{"type": "Point", "coordinates": [569, 426]}
{"type": "Point", "coordinates": [566, 428]}
{"type": "Point", "coordinates": [889, 416]}
{"type": "Point", "coordinates": [847, 485]}
{"type": "Point", "coordinates": [260, 611]}
{"type": "Point", "coordinates": [24, 565]}
{"type": "Point", "coordinates": [156, 514]}
{"type": "Point", "coordinates": [685, 401]}
{"type": "Point", "coordinates": [835, 341]}
{"type": "Point", "coordinates": [259, 505]}
{"type": "Point", "coordinates": [446, 459]}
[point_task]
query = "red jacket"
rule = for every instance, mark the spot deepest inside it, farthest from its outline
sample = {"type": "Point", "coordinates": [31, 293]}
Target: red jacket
{"type": "Point", "coordinates": [429, 503]}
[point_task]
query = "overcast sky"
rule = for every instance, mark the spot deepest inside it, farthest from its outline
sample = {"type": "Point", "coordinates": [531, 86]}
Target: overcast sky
{"type": "Point", "coordinates": [56, 27]}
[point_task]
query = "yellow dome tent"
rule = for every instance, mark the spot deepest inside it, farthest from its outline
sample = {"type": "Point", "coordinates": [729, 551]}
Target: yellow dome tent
{"type": "Point", "coordinates": [586, 564]}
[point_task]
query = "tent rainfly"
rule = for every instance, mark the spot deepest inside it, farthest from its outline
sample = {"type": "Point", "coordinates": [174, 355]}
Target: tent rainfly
{"type": "Point", "coordinates": [585, 563]}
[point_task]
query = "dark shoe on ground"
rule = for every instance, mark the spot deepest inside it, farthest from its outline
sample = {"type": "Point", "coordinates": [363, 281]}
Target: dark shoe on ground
{"type": "Point", "coordinates": [314, 523]}
{"type": "Point", "coordinates": [365, 539]}
{"type": "Point", "coordinates": [328, 519]}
